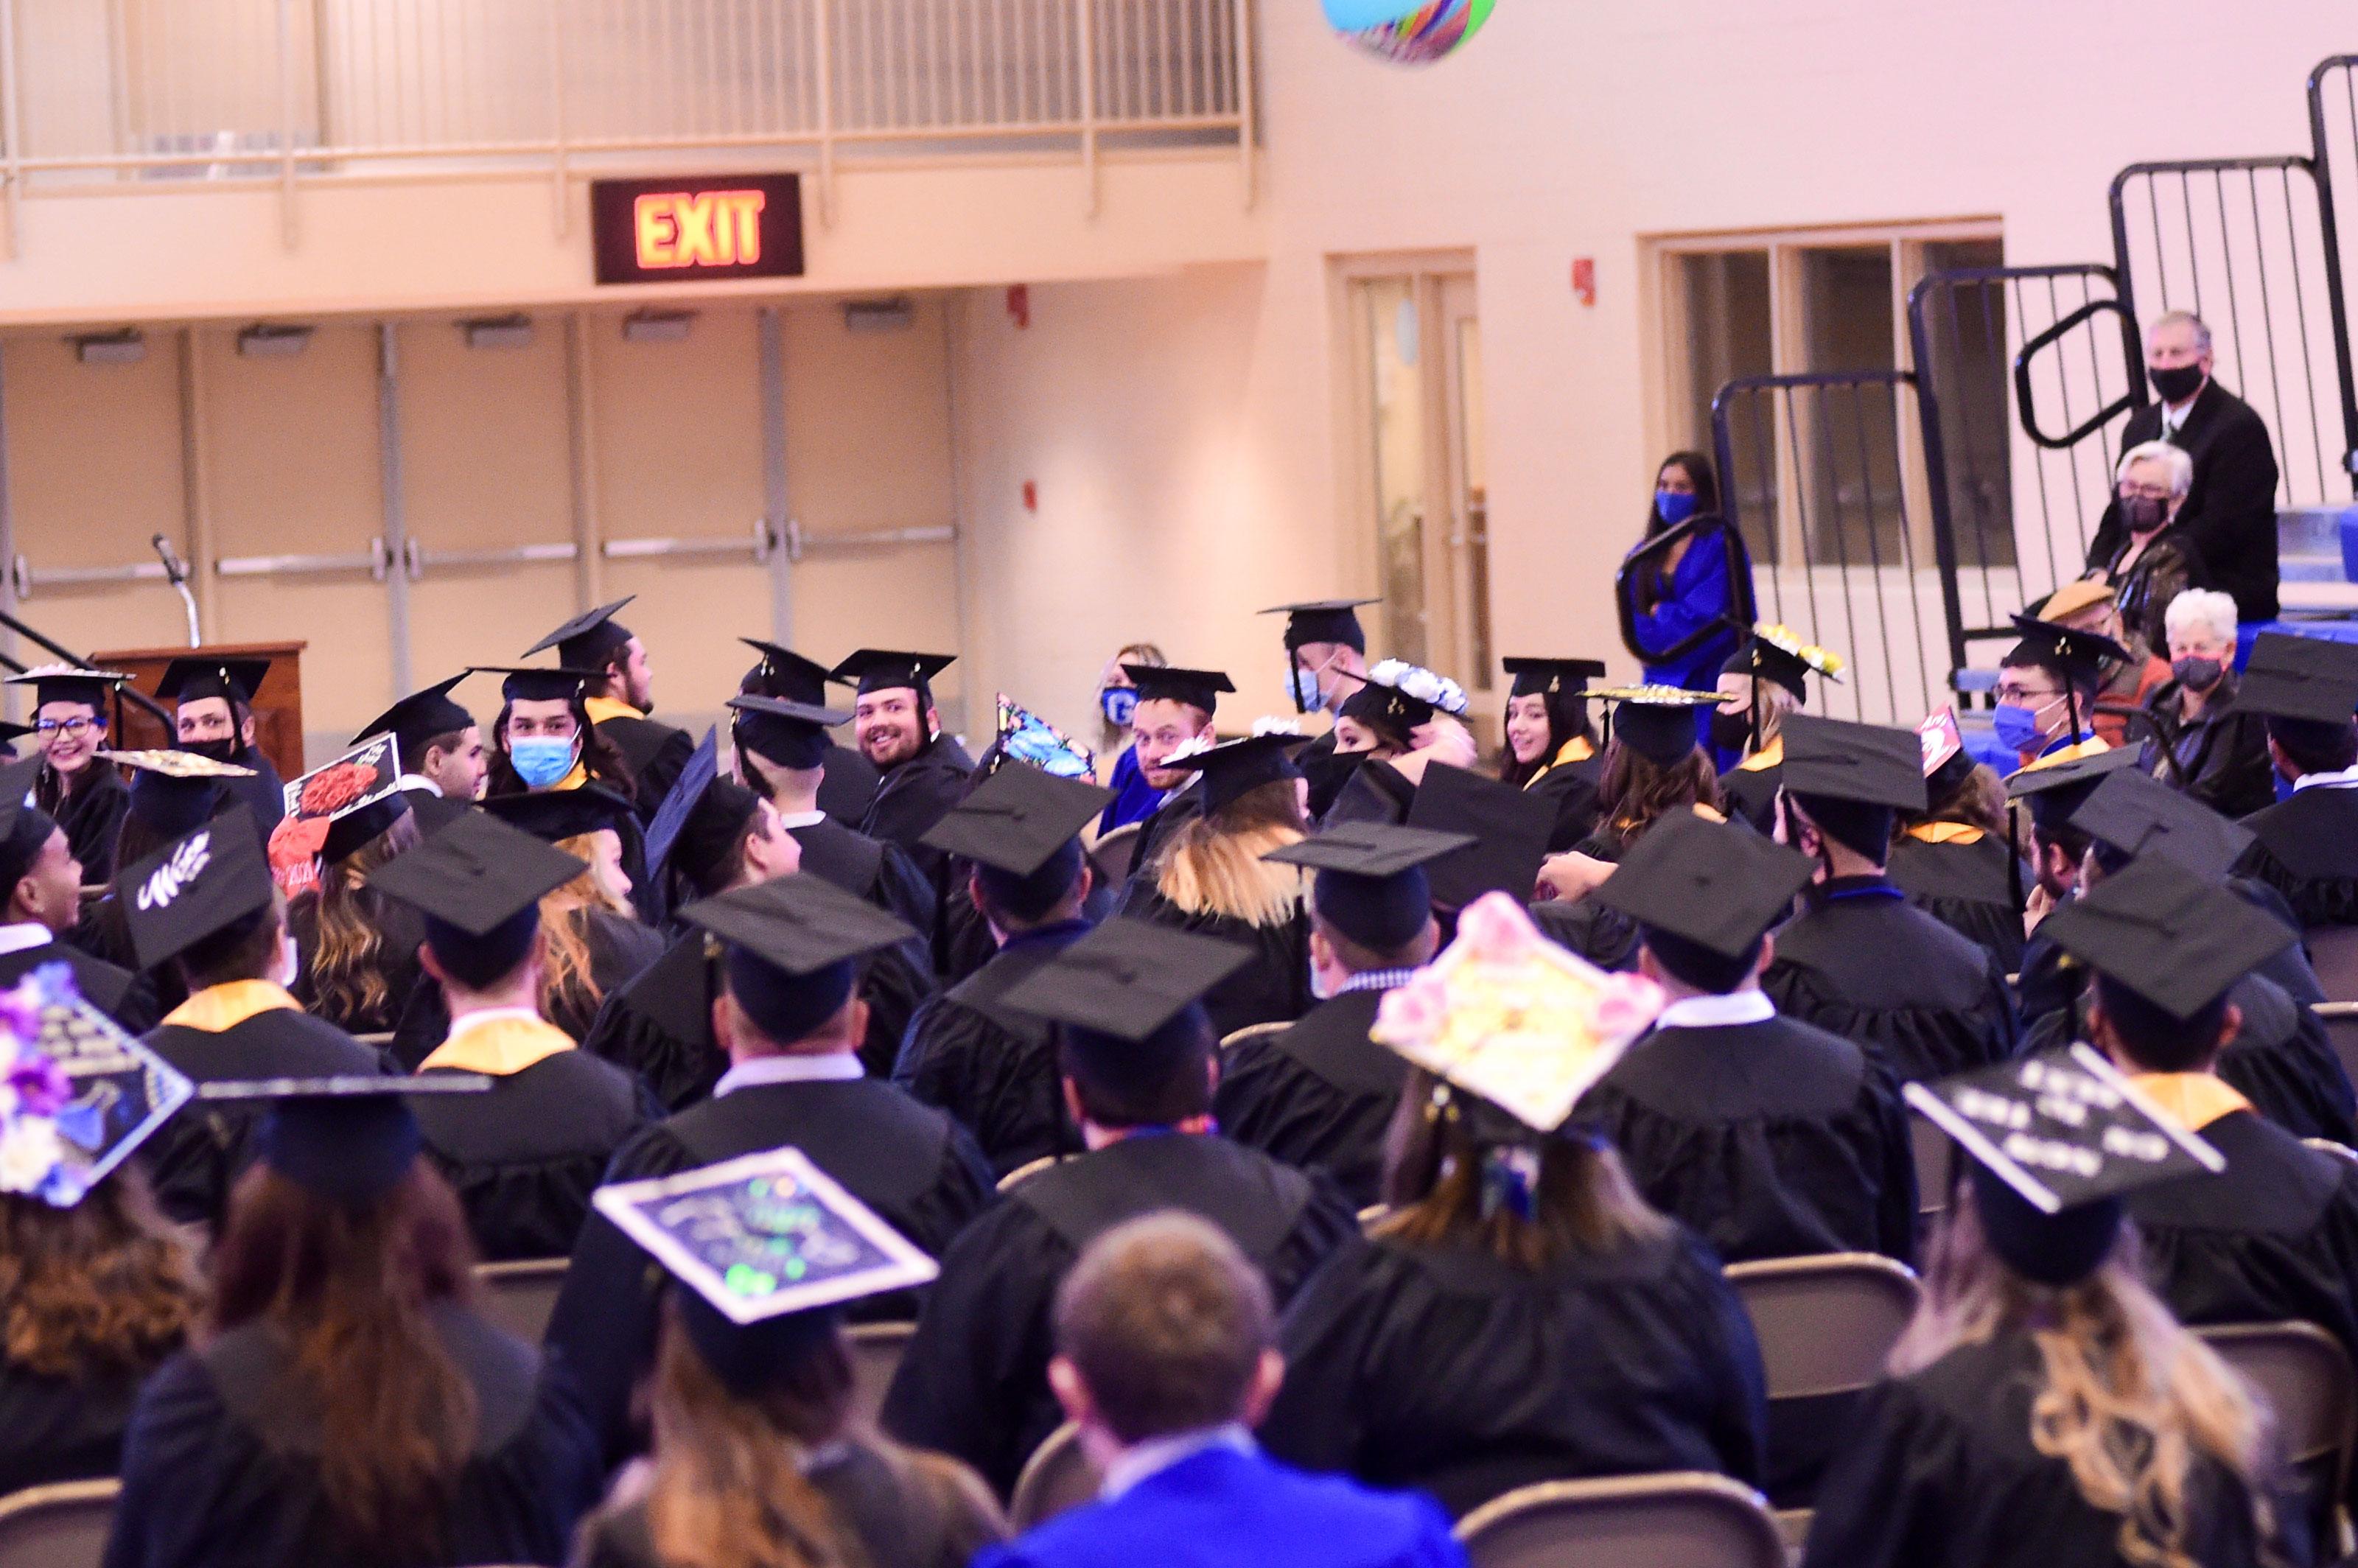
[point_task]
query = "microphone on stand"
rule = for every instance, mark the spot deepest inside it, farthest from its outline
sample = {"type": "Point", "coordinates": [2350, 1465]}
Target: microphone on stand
{"type": "Point", "coordinates": [175, 572]}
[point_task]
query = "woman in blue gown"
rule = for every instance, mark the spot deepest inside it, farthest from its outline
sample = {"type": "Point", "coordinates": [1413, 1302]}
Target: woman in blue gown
{"type": "Point", "coordinates": [1670, 600]}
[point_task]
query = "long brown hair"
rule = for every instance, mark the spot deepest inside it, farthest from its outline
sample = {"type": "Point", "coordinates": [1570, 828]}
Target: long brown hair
{"type": "Point", "coordinates": [599, 756]}
{"type": "Point", "coordinates": [1213, 865]}
{"type": "Point", "coordinates": [349, 952]}
{"type": "Point", "coordinates": [351, 1289]}
{"type": "Point", "coordinates": [1638, 790]}
{"type": "Point", "coordinates": [1977, 801]}
{"type": "Point", "coordinates": [2128, 1399]}
{"type": "Point", "coordinates": [105, 1286]}
{"type": "Point", "coordinates": [568, 981]}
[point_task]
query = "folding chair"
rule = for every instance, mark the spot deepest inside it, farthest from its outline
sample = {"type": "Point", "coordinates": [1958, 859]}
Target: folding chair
{"type": "Point", "coordinates": [59, 1526]}
{"type": "Point", "coordinates": [518, 1296]}
{"type": "Point", "coordinates": [1117, 853]}
{"type": "Point", "coordinates": [1237, 1037]}
{"type": "Point", "coordinates": [2334, 954]}
{"type": "Point", "coordinates": [2341, 1021]}
{"type": "Point", "coordinates": [2307, 1378]}
{"type": "Point", "coordinates": [1684, 1519]}
{"type": "Point", "coordinates": [2339, 1150]}
{"type": "Point", "coordinates": [1057, 1479]}
{"type": "Point", "coordinates": [876, 1352]}
{"type": "Point", "coordinates": [1935, 1166]}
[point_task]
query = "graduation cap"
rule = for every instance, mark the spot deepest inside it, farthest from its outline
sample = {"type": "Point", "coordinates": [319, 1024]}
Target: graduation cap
{"type": "Point", "coordinates": [1166, 683]}
{"type": "Point", "coordinates": [789, 732]}
{"type": "Point", "coordinates": [478, 881]}
{"type": "Point", "coordinates": [1777, 653]}
{"type": "Point", "coordinates": [24, 828]}
{"type": "Point", "coordinates": [555, 815]}
{"type": "Point", "coordinates": [1655, 722]}
{"type": "Point", "coordinates": [884, 669]}
{"type": "Point", "coordinates": [2309, 679]}
{"type": "Point", "coordinates": [1940, 740]}
{"type": "Point", "coordinates": [1324, 621]}
{"type": "Point", "coordinates": [1371, 883]}
{"type": "Point", "coordinates": [174, 793]}
{"type": "Point", "coordinates": [69, 683]}
{"type": "Point", "coordinates": [783, 672]}
{"type": "Point", "coordinates": [2078, 657]}
{"type": "Point", "coordinates": [1510, 829]}
{"type": "Point", "coordinates": [1850, 778]}
{"type": "Point", "coordinates": [419, 717]}
{"type": "Point", "coordinates": [2132, 813]}
{"type": "Point", "coordinates": [348, 1140]}
{"type": "Point", "coordinates": [791, 944]}
{"type": "Point", "coordinates": [86, 1093]}
{"type": "Point", "coordinates": [2053, 791]}
{"type": "Point", "coordinates": [195, 886]}
{"type": "Point", "coordinates": [2057, 1138]}
{"type": "Point", "coordinates": [357, 796]}
{"type": "Point", "coordinates": [194, 679]}
{"type": "Point", "coordinates": [1127, 996]}
{"type": "Point", "coordinates": [2167, 934]}
{"type": "Point", "coordinates": [520, 683]}
{"type": "Point", "coordinates": [1238, 767]}
{"type": "Point", "coordinates": [766, 1248]}
{"type": "Point", "coordinates": [1550, 677]}
{"type": "Point", "coordinates": [1706, 885]}
{"type": "Point", "coordinates": [589, 639]}
{"type": "Point", "coordinates": [702, 820]}
{"type": "Point", "coordinates": [1024, 737]}
{"type": "Point", "coordinates": [1017, 819]}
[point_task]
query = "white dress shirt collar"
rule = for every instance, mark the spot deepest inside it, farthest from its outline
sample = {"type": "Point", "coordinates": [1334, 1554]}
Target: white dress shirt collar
{"type": "Point", "coordinates": [1156, 1454]}
{"type": "Point", "coordinates": [2346, 779]}
{"type": "Point", "coordinates": [801, 818]}
{"type": "Point", "coordinates": [1718, 1012]}
{"type": "Point", "coordinates": [834, 1067]}
{"type": "Point", "coordinates": [418, 781]}
{"type": "Point", "coordinates": [30, 933]}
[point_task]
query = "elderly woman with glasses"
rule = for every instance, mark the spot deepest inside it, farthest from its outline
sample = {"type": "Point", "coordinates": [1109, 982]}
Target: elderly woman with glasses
{"type": "Point", "coordinates": [2197, 741]}
{"type": "Point", "coordinates": [75, 784]}
{"type": "Point", "coordinates": [2154, 560]}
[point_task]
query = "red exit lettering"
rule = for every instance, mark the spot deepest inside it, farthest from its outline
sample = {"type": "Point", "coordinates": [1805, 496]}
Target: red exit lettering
{"type": "Point", "coordinates": [699, 228]}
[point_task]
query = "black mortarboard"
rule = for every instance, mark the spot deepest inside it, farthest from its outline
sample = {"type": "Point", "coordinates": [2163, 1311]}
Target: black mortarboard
{"type": "Point", "coordinates": [766, 1248]}
{"type": "Point", "coordinates": [1381, 706]}
{"type": "Point", "coordinates": [787, 731]}
{"type": "Point", "coordinates": [1324, 621]}
{"type": "Point", "coordinates": [479, 882]}
{"type": "Point", "coordinates": [1870, 764]}
{"type": "Point", "coordinates": [2307, 679]}
{"type": "Point", "coordinates": [2054, 791]}
{"type": "Point", "coordinates": [521, 684]}
{"type": "Point", "coordinates": [1546, 678]}
{"type": "Point", "coordinates": [792, 945]}
{"type": "Point", "coordinates": [69, 683]}
{"type": "Point", "coordinates": [192, 679]}
{"type": "Point", "coordinates": [1710, 883]}
{"type": "Point", "coordinates": [1127, 979]}
{"type": "Point", "coordinates": [348, 1139]}
{"type": "Point", "coordinates": [1017, 819]}
{"type": "Point", "coordinates": [555, 815]}
{"type": "Point", "coordinates": [107, 1093]}
{"type": "Point", "coordinates": [1239, 767]}
{"type": "Point", "coordinates": [24, 828]}
{"type": "Point", "coordinates": [1163, 683]}
{"type": "Point", "coordinates": [2135, 815]}
{"type": "Point", "coordinates": [885, 669]}
{"type": "Point", "coordinates": [1371, 883]}
{"type": "Point", "coordinates": [589, 639]}
{"type": "Point", "coordinates": [2082, 654]}
{"type": "Point", "coordinates": [702, 820]}
{"type": "Point", "coordinates": [1509, 828]}
{"type": "Point", "coordinates": [195, 886]}
{"type": "Point", "coordinates": [783, 672]}
{"type": "Point", "coordinates": [174, 793]}
{"type": "Point", "coordinates": [359, 794]}
{"type": "Point", "coordinates": [2174, 938]}
{"type": "Point", "coordinates": [419, 717]}
{"type": "Point", "coordinates": [1658, 722]}
{"type": "Point", "coordinates": [2057, 1138]}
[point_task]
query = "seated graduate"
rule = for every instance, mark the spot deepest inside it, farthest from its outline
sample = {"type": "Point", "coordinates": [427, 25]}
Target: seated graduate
{"type": "Point", "coordinates": [2049, 797]}
{"type": "Point", "coordinates": [1652, 766]}
{"type": "Point", "coordinates": [1551, 745]}
{"type": "Point", "coordinates": [442, 756]}
{"type": "Point", "coordinates": [965, 1052]}
{"type": "Point", "coordinates": [1209, 878]}
{"type": "Point", "coordinates": [791, 1021]}
{"type": "Point", "coordinates": [2048, 686]}
{"type": "Point", "coordinates": [1177, 717]}
{"type": "Point", "coordinates": [592, 942]}
{"type": "Point", "coordinates": [95, 1287]}
{"type": "Point", "coordinates": [76, 785]}
{"type": "Point", "coordinates": [523, 1157]}
{"type": "Point", "coordinates": [1952, 858]}
{"type": "Point", "coordinates": [544, 740]}
{"type": "Point", "coordinates": [1165, 1362]}
{"type": "Point", "coordinates": [1135, 799]}
{"type": "Point", "coordinates": [212, 716]}
{"type": "Point", "coordinates": [1319, 1094]}
{"type": "Point", "coordinates": [1859, 961]}
{"type": "Point", "coordinates": [1138, 1059]}
{"type": "Point", "coordinates": [1768, 1136]}
{"type": "Point", "coordinates": [41, 906]}
{"type": "Point", "coordinates": [356, 950]}
{"type": "Point", "coordinates": [1325, 662]}
{"type": "Point", "coordinates": [1401, 721]}
{"type": "Point", "coordinates": [2044, 1408]}
{"type": "Point", "coordinates": [758, 1458]}
{"type": "Point", "coordinates": [348, 1404]}
{"type": "Point", "coordinates": [1520, 1314]}
{"type": "Point", "coordinates": [1761, 682]}
{"type": "Point", "coordinates": [2307, 844]}
{"type": "Point", "coordinates": [206, 905]}
{"type": "Point", "coordinates": [618, 696]}
{"type": "Point", "coordinates": [922, 767]}
{"type": "Point", "coordinates": [849, 779]}
{"type": "Point", "coordinates": [784, 756]}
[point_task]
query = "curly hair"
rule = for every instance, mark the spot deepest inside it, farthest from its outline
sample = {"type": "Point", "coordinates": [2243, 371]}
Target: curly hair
{"type": "Point", "coordinates": [1212, 864]}
{"type": "Point", "coordinates": [348, 954]}
{"type": "Point", "coordinates": [106, 1285]}
{"type": "Point", "coordinates": [1638, 790]}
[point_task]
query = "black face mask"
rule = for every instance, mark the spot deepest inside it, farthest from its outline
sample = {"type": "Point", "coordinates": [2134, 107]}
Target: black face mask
{"type": "Point", "coordinates": [222, 751]}
{"type": "Point", "coordinates": [1328, 772]}
{"type": "Point", "coordinates": [1730, 731]}
{"type": "Point", "coordinates": [2143, 514]}
{"type": "Point", "coordinates": [2178, 384]}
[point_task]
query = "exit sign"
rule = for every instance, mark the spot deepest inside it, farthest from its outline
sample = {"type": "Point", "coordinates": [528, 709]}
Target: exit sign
{"type": "Point", "coordinates": [692, 230]}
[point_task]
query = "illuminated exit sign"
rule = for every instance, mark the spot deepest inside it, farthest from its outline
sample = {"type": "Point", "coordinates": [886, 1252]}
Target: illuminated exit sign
{"type": "Point", "coordinates": [691, 231]}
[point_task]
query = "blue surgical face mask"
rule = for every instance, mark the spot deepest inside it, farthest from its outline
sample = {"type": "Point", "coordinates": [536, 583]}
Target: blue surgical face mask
{"type": "Point", "coordinates": [541, 760]}
{"type": "Point", "coordinates": [1306, 695]}
{"type": "Point", "coordinates": [1674, 506]}
{"type": "Point", "coordinates": [1118, 703]}
{"type": "Point", "coordinates": [2018, 727]}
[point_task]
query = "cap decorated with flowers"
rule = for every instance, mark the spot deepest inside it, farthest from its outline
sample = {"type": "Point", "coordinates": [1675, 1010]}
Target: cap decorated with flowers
{"type": "Point", "coordinates": [77, 1094]}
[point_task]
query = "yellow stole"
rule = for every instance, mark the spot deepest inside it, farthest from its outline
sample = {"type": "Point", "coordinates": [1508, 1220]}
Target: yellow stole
{"type": "Point", "coordinates": [1772, 755]}
{"type": "Point", "coordinates": [1576, 750]}
{"type": "Point", "coordinates": [602, 708]}
{"type": "Point", "coordinates": [1946, 833]}
{"type": "Point", "coordinates": [499, 1046]}
{"type": "Point", "coordinates": [227, 1005]}
{"type": "Point", "coordinates": [2194, 1100]}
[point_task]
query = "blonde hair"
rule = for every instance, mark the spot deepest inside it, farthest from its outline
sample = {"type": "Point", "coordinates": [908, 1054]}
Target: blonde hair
{"type": "Point", "coordinates": [348, 950]}
{"type": "Point", "coordinates": [565, 966]}
{"type": "Point", "coordinates": [1213, 865]}
{"type": "Point", "coordinates": [2128, 1398]}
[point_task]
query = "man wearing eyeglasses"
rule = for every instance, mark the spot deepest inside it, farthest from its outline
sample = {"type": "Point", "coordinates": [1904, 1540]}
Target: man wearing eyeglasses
{"type": "Point", "coordinates": [75, 785]}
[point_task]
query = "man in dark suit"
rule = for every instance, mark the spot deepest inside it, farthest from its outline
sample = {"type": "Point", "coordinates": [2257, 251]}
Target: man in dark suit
{"type": "Point", "coordinates": [2229, 514]}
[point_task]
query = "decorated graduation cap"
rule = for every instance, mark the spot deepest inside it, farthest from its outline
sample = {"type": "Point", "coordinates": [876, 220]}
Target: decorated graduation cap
{"type": "Point", "coordinates": [2175, 938]}
{"type": "Point", "coordinates": [1656, 721]}
{"type": "Point", "coordinates": [2074, 657]}
{"type": "Point", "coordinates": [2307, 679]}
{"type": "Point", "coordinates": [783, 672]}
{"type": "Point", "coordinates": [1324, 621]}
{"type": "Point", "coordinates": [1167, 682]}
{"type": "Point", "coordinates": [1371, 884]}
{"type": "Point", "coordinates": [195, 678]}
{"type": "Point", "coordinates": [210, 882]}
{"type": "Point", "coordinates": [554, 815]}
{"type": "Point", "coordinates": [1129, 996]}
{"type": "Point", "coordinates": [520, 683]}
{"type": "Point", "coordinates": [1385, 707]}
{"type": "Point", "coordinates": [1850, 778]}
{"type": "Point", "coordinates": [703, 818]}
{"type": "Point", "coordinates": [1940, 743]}
{"type": "Point", "coordinates": [348, 1140]}
{"type": "Point", "coordinates": [2057, 1138]}
{"type": "Point", "coordinates": [2132, 814]}
{"type": "Point", "coordinates": [69, 683]}
{"type": "Point", "coordinates": [1024, 737]}
{"type": "Point", "coordinates": [1776, 652]}
{"type": "Point", "coordinates": [1552, 677]}
{"type": "Point", "coordinates": [174, 793]}
{"type": "Point", "coordinates": [1509, 828]}
{"type": "Point", "coordinates": [588, 641]}
{"type": "Point", "coordinates": [351, 799]}
{"type": "Point", "coordinates": [420, 717]}
{"type": "Point", "coordinates": [783, 731]}
{"type": "Point", "coordinates": [793, 943]}
{"type": "Point", "coordinates": [85, 1095]}
{"type": "Point", "coordinates": [1237, 768]}
{"type": "Point", "coordinates": [766, 1250]}
{"type": "Point", "coordinates": [885, 669]}
{"type": "Point", "coordinates": [1020, 826]}
{"type": "Point", "coordinates": [1702, 893]}
{"type": "Point", "coordinates": [479, 882]}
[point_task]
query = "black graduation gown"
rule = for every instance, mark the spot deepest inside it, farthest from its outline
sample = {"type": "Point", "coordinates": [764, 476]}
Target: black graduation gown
{"type": "Point", "coordinates": [1938, 1471]}
{"type": "Point", "coordinates": [93, 817]}
{"type": "Point", "coordinates": [1752, 793]}
{"type": "Point", "coordinates": [620, 948]}
{"type": "Point", "coordinates": [1375, 792]}
{"type": "Point", "coordinates": [114, 990]}
{"type": "Point", "coordinates": [1445, 1369]}
{"type": "Point", "coordinates": [1605, 937]}
{"type": "Point", "coordinates": [912, 1165]}
{"type": "Point", "coordinates": [434, 812]}
{"type": "Point", "coordinates": [849, 786]}
{"type": "Point", "coordinates": [1317, 1095]}
{"type": "Point", "coordinates": [655, 752]}
{"type": "Point", "coordinates": [974, 1382]}
{"type": "Point", "coordinates": [403, 929]}
{"type": "Point", "coordinates": [101, 934]}
{"type": "Point", "coordinates": [193, 1159]}
{"type": "Point", "coordinates": [1181, 807]}
{"type": "Point", "coordinates": [1273, 989]}
{"type": "Point", "coordinates": [219, 1468]}
{"type": "Point", "coordinates": [1861, 963]}
{"type": "Point", "coordinates": [62, 1429]}
{"type": "Point", "coordinates": [2307, 848]}
{"type": "Point", "coordinates": [1573, 787]}
{"type": "Point", "coordinates": [265, 792]}
{"type": "Point", "coordinates": [867, 867]}
{"type": "Point", "coordinates": [525, 1156]}
{"type": "Point", "coordinates": [912, 796]}
{"type": "Point", "coordinates": [1966, 887]}
{"type": "Point", "coordinates": [991, 1067]}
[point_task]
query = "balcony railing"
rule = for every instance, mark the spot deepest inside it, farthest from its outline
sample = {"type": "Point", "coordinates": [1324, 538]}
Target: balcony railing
{"type": "Point", "coordinates": [162, 92]}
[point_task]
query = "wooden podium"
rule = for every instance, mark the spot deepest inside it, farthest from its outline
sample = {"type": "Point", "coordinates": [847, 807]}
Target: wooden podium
{"type": "Point", "coordinates": [277, 707]}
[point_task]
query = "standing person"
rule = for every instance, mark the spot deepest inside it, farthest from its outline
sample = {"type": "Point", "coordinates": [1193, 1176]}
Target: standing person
{"type": "Point", "coordinates": [617, 695]}
{"type": "Point", "coordinates": [1165, 1361]}
{"type": "Point", "coordinates": [2202, 742]}
{"type": "Point", "coordinates": [2305, 689]}
{"type": "Point", "coordinates": [347, 1404]}
{"type": "Point", "coordinates": [2229, 508]}
{"type": "Point", "coordinates": [1552, 747]}
{"type": "Point", "coordinates": [41, 904]}
{"type": "Point", "coordinates": [1761, 682]}
{"type": "Point", "coordinates": [442, 756]}
{"type": "Point", "coordinates": [1325, 662]}
{"type": "Point", "coordinates": [900, 732]}
{"type": "Point", "coordinates": [1684, 610]}
{"type": "Point", "coordinates": [355, 950]}
{"type": "Point", "coordinates": [212, 716]}
{"type": "Point", "coordinates": [80, 789]}
{"type": "Point", "coordinates": [850, 780]}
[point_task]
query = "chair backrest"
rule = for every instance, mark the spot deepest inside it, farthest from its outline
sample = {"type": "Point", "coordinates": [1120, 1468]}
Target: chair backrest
{"type": "Point", "coordinates": [2339, 1150]}
{"type": "Point", "coordinates": [1685, 1520]}
{"type": "Point", "coordinates": [59, 1526]}
{"type": "Point", "coordinates": [1057, 1479]}
{"type": "Point", "coordinates": [1116, 854]}
{"type": "Point", "coordinates": [1825, 1325]}
{"type": "Point", "coordinates": [518, 1296]}
{"type": "Point", "coordinates": [2307, 1377]}
{"type": "Point", "coordinates": [2341, 1021]}
{"type": "Point", "coordinates": [876, 1352]}
{"type": "Point", "coordinates": [1028, 1169]}
{"type": "Point", "coordinates": [1935, 1164]}
{"type": "Point", "coordinates": [2334, 954]}
{"type": "Point", "coordinates": [1372, 1216]}
{"type": "Point", "coordinates": [1237, 1037]}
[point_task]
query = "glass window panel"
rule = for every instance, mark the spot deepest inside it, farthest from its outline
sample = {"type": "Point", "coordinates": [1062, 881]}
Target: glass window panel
{"type": "Point", "coordinates": [1728, 338]}
{"type": "Point", "coordinates": [1851, 513]}
{"type": "Point", "coordinates": [1389, 319]}
{"type": "Point", "coordinates": [1969, 375]}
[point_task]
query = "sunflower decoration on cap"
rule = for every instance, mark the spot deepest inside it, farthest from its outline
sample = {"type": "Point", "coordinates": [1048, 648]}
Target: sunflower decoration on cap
{"type": "Point", "coordinates": [1785, 640]}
